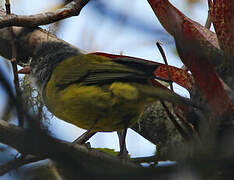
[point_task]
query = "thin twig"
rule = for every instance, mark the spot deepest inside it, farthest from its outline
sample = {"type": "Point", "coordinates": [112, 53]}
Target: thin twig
{"type": "Point", "coordinates": [8, 7]}
{"type": "Point", "coordinates": [209, 18]}
{"type": "Point", "coordinates": [176, 124]}
{"type": "Point", "coordinates": [84, 137]}
{"type": "Point", "coordinates": [16, 163]}
{"type": "Point", "coordinates": [69, 10]}
{"type": "Point", "coordinates": [170, 115]}
{"type": "Point", "coordinates": [188, 125]}
{"type": "Point", "coordinates": [14, 66]}
{"type": "Point", "coordinates": [165, 60]}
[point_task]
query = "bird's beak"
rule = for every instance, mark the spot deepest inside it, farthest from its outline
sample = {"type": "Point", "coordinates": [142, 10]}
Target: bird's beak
{"type": "Point", "coordinates": [25, 70]}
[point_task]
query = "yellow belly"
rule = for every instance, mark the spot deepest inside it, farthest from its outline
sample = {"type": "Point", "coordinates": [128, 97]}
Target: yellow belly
{"type": "Point", "coordinates": [102, 108]}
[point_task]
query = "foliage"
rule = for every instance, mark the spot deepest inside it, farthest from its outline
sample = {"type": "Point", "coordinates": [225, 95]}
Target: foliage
{"type": "Point", "coordinates": [209, 56]}
{"type": "Point", "coordinates": [33, 100]}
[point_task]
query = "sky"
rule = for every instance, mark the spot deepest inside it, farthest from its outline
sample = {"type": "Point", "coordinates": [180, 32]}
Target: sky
{"type": "Point", "coordinates": [94, 32]}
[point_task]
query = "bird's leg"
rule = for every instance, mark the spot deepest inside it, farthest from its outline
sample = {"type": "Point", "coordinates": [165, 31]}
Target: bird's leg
{"type": "Point", "coordinates": [84, 137]}
{"type": "Point", "coordinates": [123, 149]}
{"type": "Point", "coordinates": [87, 135]}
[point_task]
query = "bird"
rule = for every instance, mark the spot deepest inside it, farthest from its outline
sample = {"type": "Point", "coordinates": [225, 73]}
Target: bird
{"type": "Point", "coordinates": [97, 91]}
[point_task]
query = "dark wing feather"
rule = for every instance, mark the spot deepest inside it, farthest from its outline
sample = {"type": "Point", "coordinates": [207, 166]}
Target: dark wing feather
{"type": "Point", "coordinates": [146, 66]}
{"type": "Point", "coordinates": [94, 72]}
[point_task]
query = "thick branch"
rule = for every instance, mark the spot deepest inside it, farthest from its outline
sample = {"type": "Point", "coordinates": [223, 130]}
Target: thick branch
{"type": "Point", "coordinates": [77, 159]}
{"type": "Point", "coordinates": [27, 141]}
{"type": "Point", "coordinates": [27, 39]}
{"type": "Point", "coordinates": [71, 9]}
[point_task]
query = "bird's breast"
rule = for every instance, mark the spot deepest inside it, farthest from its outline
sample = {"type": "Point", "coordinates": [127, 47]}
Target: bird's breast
{"type": "Point", "coordinates": [102, 108]}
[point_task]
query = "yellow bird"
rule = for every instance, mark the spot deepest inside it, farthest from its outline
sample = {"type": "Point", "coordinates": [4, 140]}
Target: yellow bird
{"type": "Point", "coordinates": [98, 92]}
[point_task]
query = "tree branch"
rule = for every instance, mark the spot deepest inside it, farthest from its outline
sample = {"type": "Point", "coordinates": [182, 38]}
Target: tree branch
{"type": "Point", "coordinates": [16, 163]}
{"type": "Point", "coordinates": [14, 66]}
{"type": "Point", "coordinates": [71, 9]}
{"type": "Point", "coordinates": [28, 141]}
{"type": "Point", "coordinates": [88, 163]}
{"type": "Point", "coordinates": [27, 39]}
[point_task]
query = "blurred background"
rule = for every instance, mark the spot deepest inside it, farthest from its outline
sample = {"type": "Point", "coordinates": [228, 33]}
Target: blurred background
{"type": "Point", "coordinates": [114, 26]}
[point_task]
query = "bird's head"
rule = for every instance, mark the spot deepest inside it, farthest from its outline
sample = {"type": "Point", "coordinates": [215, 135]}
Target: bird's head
{"type": "Point", "coordinates": [46, 57]}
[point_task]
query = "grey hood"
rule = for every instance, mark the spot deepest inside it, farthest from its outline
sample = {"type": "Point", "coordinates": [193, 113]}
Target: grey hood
{"type": "Point", "coordinates": [46, 57]}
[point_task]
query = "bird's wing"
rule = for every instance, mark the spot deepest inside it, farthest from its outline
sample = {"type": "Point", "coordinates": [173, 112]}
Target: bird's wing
{"type": "Point", "coordinates": [93, 70]}
{"type": "Point", "coordinates": [146, 66]}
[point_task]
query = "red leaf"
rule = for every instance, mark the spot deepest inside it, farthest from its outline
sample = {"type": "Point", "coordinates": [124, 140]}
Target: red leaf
{"type": "Point", "coordinates": [173, 21]}
{"type": "Point", "coordinates": [207, 81]}
{"type": "Point", "coordinates": [222, 18]}
{"type": "Point", "coordinates": [197, 47]}
{"type": "Point", "coordinates": [178, 75]}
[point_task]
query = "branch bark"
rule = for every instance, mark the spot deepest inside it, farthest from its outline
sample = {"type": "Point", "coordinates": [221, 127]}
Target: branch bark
{"type": "Point", "coordinates": [71, 9]}
{"type": "Point", "coordinates": [77, 159]}
{"type": "Point", "coordinates": [27, 39]}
